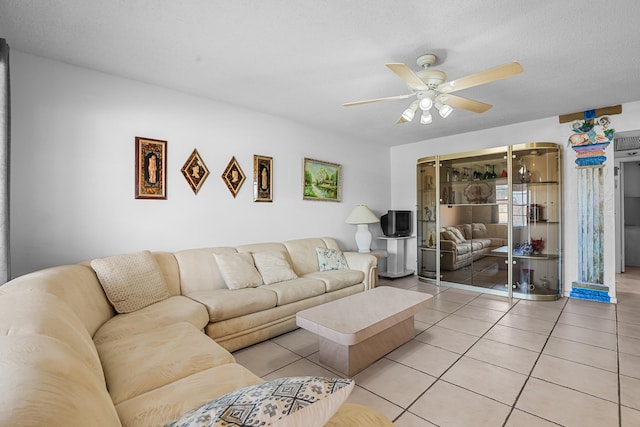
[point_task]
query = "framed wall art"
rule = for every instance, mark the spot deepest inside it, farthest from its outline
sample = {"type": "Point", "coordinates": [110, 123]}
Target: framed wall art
{"type": "Point", "coordinates": [262, 178]}
{"type": "Point", "coordinates": [195, 171]}
{"type": "Point", "coordinates": [233, 176]}
{"type": "Point", "coordinates": [151, 169]}
{"type": "Point", "coordinates": [321, 180]}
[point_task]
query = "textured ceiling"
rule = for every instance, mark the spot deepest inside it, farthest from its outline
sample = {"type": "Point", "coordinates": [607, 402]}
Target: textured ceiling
{"type": "Point", "coordinates": [302, 59]}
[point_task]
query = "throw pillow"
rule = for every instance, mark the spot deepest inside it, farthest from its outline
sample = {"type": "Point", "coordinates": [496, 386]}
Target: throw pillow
{"type": "Point", "coordinates": [448, 235]}
{"type": "Point", "coordinates": [294, 401]}
{"type": "Point", "coordinates": [238, 270]}
{"type": "Point", "coordinates": [131, 281]}
{"type": "Point", "coordinates": [273, 267]}
{"type": "Point", "coordinates": [331, 259]}
{"type": "Point", "coordinates": [466, 231]}
{"type": "Point", "coordinates": [479, 230]}
{"type": "Point", "coordinates": [458, 234]}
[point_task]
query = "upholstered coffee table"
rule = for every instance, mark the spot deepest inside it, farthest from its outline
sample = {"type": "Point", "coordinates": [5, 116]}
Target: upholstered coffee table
{"type": "Point", "coordinates": [357, 330]}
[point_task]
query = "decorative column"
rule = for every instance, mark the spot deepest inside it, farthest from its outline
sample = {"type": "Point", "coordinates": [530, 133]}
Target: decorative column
{"type": "Point", "coordinates": [590, 138]}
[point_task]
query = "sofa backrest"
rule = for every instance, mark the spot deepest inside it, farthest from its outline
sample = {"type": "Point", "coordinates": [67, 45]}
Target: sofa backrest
{"type": "Point", "coordinates": [51, 373]}
{"type": "Point", "coordinates": [77, 285]}
{"type": "Point", "coordinates": [170, 269]}
{"type": "Point", "coordinates": [198, 269]}
{"type": "Point", "coordinates": [302, 252]}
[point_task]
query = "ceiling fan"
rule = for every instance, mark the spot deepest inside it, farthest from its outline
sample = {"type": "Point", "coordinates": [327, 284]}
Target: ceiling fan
{"type": "Point", "coordinates": [431, 88]}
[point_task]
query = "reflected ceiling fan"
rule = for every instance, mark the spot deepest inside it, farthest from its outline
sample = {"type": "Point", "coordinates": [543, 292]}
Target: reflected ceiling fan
{"type": "Point", "coordinates": [431, 88]}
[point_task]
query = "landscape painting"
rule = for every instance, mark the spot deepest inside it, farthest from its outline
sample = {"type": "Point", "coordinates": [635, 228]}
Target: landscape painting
{"type": "Point", "coordinates": [322, 181]}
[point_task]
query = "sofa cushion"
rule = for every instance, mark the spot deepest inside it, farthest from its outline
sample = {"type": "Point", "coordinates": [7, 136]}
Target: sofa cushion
{"type": "Point", "coordinates": [222, 304]}
{"type": "Point", "coordinates": [294, 401]}
{"type": "Point", "coordinates": [331, 259]}
{"type": "Point", "coordinates": [138, 363]}
{"type": "Point", "coordinates": [485, 243]}
{"type": "Point", "coordinates": [45, 383]}
{"type": "Point", "coordinates": [463, 248]}
{"type": "Point", "coordinates": [164, 404]}
{"type": "Point", "coordinates": [273, 267]}
{"type": "Point", "coordinates": [466, 231]}
{"type": "Point", "coordinates": [199, 270]}
{"type": "Point", "coordinates": [238, 270]}
{"type": "Point", "coordinates": [479, 230]}
{"type": "Point", "coordinates": [302, 253]}
{"type": "Point", "coordinates": [131, 281]}
{"type": "Point", "coordinates": [338, 279]}
{"type": "Point", "coordinates": [296, 290]}
{"type": "Point", "coordinates": [163, 313]}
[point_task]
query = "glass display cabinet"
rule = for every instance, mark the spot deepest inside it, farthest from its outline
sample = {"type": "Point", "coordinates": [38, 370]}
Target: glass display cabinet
{"type": "Point", "coordinates": [490, 220]}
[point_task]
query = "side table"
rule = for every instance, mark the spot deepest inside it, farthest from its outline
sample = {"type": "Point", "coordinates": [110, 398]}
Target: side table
{"type": "Point", "coordinates": [396, 247]}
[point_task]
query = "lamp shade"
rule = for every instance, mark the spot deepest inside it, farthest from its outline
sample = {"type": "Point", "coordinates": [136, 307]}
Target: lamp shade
{"type": "Point", "coordinates": [361, 214]}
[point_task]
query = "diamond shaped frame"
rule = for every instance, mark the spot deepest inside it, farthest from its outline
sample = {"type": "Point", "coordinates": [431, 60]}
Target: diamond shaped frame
{"type": "Point", "coordinates": [233, 176]}
{"type": "Point", "coordinates": [195, 171]}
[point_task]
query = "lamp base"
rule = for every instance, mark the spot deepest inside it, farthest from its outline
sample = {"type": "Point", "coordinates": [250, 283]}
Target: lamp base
{"type": "Point", "coordinates": [363, 238]}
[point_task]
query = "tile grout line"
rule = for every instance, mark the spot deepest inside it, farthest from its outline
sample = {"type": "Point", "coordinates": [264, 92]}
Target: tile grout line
{"type": "Point", "coordinates": [439, 378]}
{"type": "Point", "coordinates": [515, 402]}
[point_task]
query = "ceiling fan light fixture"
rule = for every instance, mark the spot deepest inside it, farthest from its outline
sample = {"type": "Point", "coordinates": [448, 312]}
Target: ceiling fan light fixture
{"type": "Point", "coordinates": [444, 110]}
{"type": "Point", "coordinates": [426, 118]}
{"type": "Point", "coordinates": [410, 112]}
{"type": "Point", "coordinates": [426, 103]}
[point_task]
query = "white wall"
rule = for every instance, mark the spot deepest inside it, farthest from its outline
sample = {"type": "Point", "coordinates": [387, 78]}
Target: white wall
{"type": "Point", "coordinates": [72, 172]}
{"type": "Point", "coordinates": [403, 177]}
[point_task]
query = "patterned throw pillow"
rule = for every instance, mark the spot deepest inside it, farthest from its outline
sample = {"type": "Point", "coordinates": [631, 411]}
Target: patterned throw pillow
{"type": "Point", "coordinates": [273, 267]}
{"type": "Point", "coordinates": [460, 238]}
{"type": "Point", "coordinates": [331, 259]}
{"type": "Point", "coordinates": [131, 281]}
{"type": "Point", "coordinates": [294, 401]}
{"type": "Point", "coordinates": [238, 270]}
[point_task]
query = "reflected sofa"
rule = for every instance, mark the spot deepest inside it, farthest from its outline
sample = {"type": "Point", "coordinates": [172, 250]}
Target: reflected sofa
{"type": "Point", "coordinates": [462, 244]}
{"type": "Point", "coordinates": [140, 339]}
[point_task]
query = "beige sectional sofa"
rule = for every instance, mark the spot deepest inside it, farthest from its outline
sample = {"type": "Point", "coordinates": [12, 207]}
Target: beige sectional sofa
{"type": "Point", "coordinates": [462, 244]}
{"type": "Point", "coordinates": [80, 345]}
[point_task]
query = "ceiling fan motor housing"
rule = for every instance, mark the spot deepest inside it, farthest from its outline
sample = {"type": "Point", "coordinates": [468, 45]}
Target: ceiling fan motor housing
{"type": "Point", "coordinates": [432, 78]}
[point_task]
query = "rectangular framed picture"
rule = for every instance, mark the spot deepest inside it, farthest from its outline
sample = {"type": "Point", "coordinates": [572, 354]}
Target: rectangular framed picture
{"type": "Point", "coordinates": [151, 169]}
{"type": "Point", "coordinates": [262, 178]}
{"type": "Point", "coordinates": [321, 180]}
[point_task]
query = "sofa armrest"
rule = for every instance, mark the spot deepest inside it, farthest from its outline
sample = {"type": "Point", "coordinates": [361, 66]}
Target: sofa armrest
{"type": "Point", "coordinates": [448, 245]}
{"type": "Point", "coordinates": [366, 263]}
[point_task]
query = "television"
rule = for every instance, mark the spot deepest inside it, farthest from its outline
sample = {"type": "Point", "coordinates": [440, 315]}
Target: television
{"type": "Point", "coordinates": [397, 223]}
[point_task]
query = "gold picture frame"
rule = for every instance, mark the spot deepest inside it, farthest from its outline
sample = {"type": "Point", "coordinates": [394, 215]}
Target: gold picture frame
{"type": "Point", "coordinates": [150, 168]}
{"type": "Point", "coordinates": [195, 171]}
{"type": "Point", "coordinates": [262, 178]}
{"type": "Point", "coordinates": [233, 176]}
{"type": "Point", "coordinates": [321, 180]}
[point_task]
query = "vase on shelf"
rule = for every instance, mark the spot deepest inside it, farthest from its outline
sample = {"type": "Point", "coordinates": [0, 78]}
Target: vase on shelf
{"type": "Point", "coordinates": [487, 172]}
{"type": "Point", "coordinates": [465, 174]}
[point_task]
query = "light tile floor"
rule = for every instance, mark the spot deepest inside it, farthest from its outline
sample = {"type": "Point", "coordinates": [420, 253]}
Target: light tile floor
{"type": "Point", "coordinates": [483, 360]}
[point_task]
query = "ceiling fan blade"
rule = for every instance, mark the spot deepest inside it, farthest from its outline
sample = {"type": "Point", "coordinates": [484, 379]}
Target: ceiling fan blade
{"type": "Point", "coordinates": [369, 101]}
{"type": "Point", "coordinates": [464, 103]}
{"type": "Point", "coordinates": [408, 76]}
{"type": "Point", "coordinates": [487, 76]}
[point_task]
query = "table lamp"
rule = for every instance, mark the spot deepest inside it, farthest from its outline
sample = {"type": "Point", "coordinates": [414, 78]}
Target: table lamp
{"type": "Point", "coordinates": [362, 216]}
